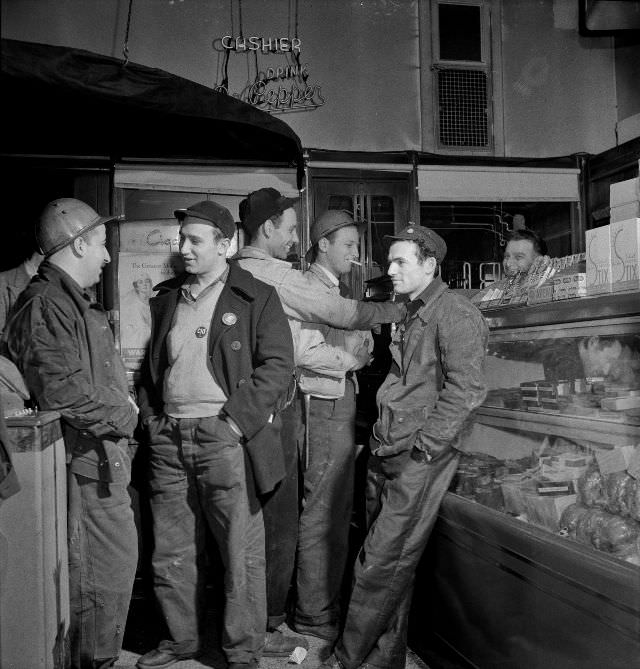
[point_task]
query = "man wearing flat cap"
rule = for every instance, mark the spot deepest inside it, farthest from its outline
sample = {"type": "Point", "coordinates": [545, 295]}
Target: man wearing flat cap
{"type": "Point", "coordinates": [219, 362]}
{"type": "Point", "coordinates": [270, 224]}
{"type": "Point", "coordinates": [435, 382]}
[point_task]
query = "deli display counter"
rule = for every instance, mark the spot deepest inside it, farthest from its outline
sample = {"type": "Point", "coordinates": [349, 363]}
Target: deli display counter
{"type": "Point", "coordinates": [535, 558]}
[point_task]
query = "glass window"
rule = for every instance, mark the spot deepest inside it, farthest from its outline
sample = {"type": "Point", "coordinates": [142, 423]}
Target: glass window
{"type": "Point", "coordinates": [382, 209]}
{"type": "Point", "coordinates": [343, 202]}
{"type": "Point", "coordinates": [459, 30]}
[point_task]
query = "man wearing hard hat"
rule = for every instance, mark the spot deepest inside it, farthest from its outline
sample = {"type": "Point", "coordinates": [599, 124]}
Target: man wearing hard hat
{"type": "Point", "coordinates": [60, 340]}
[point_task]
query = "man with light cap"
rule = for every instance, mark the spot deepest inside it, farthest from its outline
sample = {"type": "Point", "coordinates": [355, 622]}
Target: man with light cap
{"type": "Point", "coordinates": [436, 380]}
{"type": "Point", "coordinates": [60, 340]}
{"type": "Point", "coordinates": [270, 223]}
{"type": "Point", "coordinates": [328, 387]}
{"type": "Point", "coordinates": [219, 364]}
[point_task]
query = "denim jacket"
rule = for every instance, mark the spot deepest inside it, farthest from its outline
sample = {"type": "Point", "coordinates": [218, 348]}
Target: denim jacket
{"type": "Point", "coordinates": [436, 378]}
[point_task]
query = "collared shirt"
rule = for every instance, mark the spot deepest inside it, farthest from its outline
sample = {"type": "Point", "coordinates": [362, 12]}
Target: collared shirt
{"type": "Point", "coordinates": [190, 391]}
{"type": "Point", "coordinates": [324, 363]}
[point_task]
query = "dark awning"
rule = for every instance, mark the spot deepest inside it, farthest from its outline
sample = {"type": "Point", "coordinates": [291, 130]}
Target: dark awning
{"type": "Point", "coordinates": [63, 101]}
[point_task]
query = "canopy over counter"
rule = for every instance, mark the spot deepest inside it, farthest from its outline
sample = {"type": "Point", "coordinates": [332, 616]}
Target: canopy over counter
{"type": "Point", "coordinates": [70, 102]}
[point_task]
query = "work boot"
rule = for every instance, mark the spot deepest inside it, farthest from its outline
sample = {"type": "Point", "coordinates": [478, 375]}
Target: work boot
{"type": "Point", "coordinates": [276, 644]}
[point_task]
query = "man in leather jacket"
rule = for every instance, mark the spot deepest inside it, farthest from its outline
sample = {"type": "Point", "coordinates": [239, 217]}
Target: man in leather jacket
{"type": "Point", "coordinates": [436, 380]}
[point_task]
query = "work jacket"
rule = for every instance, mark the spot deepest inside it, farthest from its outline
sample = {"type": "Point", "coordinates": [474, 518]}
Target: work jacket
{"type": "Point", "coordinates": [436, 378]}
{"type": "Point", "coordinates": [250, 356]}
{"type": "Point", "coordinates": [61, 342]}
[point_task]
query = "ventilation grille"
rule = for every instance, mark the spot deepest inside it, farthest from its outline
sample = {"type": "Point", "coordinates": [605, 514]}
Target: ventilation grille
{"type": "Point", "coordinates": [462, 97]}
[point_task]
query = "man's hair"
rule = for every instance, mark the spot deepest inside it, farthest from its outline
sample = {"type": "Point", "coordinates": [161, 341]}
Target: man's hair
{"type": "Point", "coordinates": [314, 250]}
{"type": "Point", "coordinates": [276, 219]}
{"type": "Point", "coordinates": [423, 252]}
{"type": "Point", "coordinates": [539, 245]}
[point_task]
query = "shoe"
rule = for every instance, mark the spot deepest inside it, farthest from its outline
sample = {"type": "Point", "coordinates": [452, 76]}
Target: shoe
{"type": "Point", "coordinates": [332, 662]}
{"type": "Point", "coordinates": [159, 658]}
{"type": "Point", "coordinates": [326, 631]}
{"type": "Point", "coordinates": [276, 644]}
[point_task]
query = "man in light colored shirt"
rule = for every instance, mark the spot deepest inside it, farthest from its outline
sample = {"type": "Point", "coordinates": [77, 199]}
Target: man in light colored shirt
{"type": "Point", "coordinates": [13, 281]}
{"type": "Point", "coordinates": [270, 223]}
{"type": "Point", "coordinates": [329, 396]}
{"type": "Point", "coordinates": [220, 361]}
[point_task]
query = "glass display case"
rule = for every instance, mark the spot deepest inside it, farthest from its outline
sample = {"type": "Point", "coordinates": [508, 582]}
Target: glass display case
{"type": "Point", "coordinates": [535, 558]}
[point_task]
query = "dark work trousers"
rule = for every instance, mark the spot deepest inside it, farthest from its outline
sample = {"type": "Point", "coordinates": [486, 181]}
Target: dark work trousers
{"type": "Point", "coordinates": [280, 510]}
{"type": "Point", "coordinates": [199, 477]}
{"type": "Point", "coordinates": [403, 498]}
{"type": "Point", "coordinates": [103, 555]}
{"type": "Point", "coordinates": [323, 541]}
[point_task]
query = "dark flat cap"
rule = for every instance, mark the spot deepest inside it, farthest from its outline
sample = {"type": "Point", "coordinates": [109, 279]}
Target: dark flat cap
{"type": "Point", "coordinates": [210, 213]}
{"type": "Point", "coordinates": [433, 240]}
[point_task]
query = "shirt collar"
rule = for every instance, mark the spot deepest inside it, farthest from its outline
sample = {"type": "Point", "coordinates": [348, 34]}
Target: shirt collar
{"type": "Point", "coordinates": [185, 290]}
{"type": "Point", "coordinates": [80, 294]}
{"type": "Point", "coordinates": [414, 305]}
{"type": "Point", "coordinates": [259, 254]}
{"type": "Point", "coordinates": [330, 275]}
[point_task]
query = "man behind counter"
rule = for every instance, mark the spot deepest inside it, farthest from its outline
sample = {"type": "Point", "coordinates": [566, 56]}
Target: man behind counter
{"type": "Point", "coordinates": [525, 250]}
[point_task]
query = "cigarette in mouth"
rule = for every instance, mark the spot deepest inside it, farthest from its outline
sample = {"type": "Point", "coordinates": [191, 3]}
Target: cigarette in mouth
{"type": "Point", "coordinates": [355, 262]}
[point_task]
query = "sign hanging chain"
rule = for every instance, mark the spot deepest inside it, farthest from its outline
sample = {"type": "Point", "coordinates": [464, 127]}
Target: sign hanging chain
{"type": "Point", "coordinates": [125, 46]}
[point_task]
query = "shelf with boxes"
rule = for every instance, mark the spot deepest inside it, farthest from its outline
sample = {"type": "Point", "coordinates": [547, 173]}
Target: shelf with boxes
{"type": "Point", "coordinates": [564, 395]}
{"type": "Point", "coordinates": [613, 250]}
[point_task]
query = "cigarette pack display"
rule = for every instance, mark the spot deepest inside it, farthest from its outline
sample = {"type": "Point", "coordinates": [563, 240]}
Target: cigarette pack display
{"type": "Point", "coordinates": [568, 286]}
{"type": "Point", "coordinates": [625, 255]}
{"type": "Point", "coordinates": [598, 252]}
{"type": "Point", "coordinates": [543, 293]}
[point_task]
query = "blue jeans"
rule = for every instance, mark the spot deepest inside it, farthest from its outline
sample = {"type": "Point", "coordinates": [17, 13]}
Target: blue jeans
{"type": "Point", "coordinates": [403, 498]}
{"type": "Point", "coordinates": [323, 539]}
{"type": "Point", "coordinates": [103, 555]}
{"type": "Point", "coordinates": [199, 477]}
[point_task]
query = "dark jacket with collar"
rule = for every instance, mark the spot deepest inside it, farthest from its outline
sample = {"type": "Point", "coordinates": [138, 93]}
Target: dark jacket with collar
{"type": "Point", "coordinates": [436, 378]}
{"type": "Point", "coordinates": [61, 342]}
{"type": "Point", "coordinates": [250, 357]}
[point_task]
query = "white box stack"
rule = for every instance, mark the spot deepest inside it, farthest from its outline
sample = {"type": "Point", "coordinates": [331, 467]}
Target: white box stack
{"type": "Point", "coordinates": [624, 202]}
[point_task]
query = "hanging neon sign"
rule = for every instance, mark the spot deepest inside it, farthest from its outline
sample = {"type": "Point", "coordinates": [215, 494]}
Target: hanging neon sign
{"type": "Point", "coordinates": [279, 89]}
{"type": "Point", "coordinates": [270, 45]}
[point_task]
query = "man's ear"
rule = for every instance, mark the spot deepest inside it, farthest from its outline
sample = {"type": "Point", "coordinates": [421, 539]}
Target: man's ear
{"type": "Point", "coordinates": [323, 244]}
{"type": "Point", "coordinates": [268, 228]}
{"type": "Point", "coordinates": [79, 246]}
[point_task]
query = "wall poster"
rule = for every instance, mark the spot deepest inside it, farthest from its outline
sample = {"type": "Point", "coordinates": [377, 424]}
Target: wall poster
{"type": "Point", "coordinates": [148, 255]}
